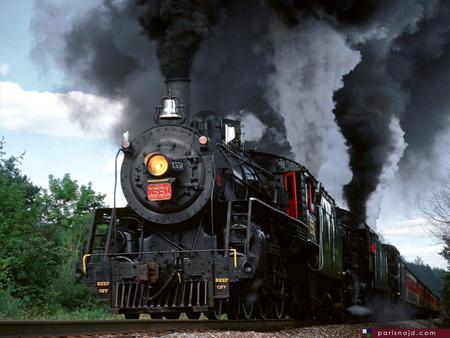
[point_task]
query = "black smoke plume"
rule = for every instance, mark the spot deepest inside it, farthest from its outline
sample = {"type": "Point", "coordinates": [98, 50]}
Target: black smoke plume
{"type": "Point", "coordinates": [364, 109]}
{"type": "Point", "coordinates": [179, 26]}
{"type": "Point", "coordinates": [227, 49]}
{"type": "Point", "coordinates": [402, 67]}
{"type": "Point", "coordinates": [403, 74]}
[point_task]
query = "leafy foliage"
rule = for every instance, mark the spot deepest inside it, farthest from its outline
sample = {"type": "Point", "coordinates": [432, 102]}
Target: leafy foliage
{"type": "Point", "coordinates": [67, 213]}
{"type": "Point", "coordinates": [40, 235]}
{"type": "Point", "coordinates": [24, 247]}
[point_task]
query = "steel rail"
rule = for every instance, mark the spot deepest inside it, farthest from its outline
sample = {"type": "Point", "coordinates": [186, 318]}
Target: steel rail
{"type": "Point", "coordinates": [33, 328]}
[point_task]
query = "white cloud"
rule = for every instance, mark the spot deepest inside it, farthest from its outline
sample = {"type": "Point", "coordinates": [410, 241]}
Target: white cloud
{"type": "Point", "coordinates": [407, 229]}
{"type": "Point", "coordinates": [72, 114]}
{"type": "Point", "coordinates": [401, 221]}
{"type": "Point", "coordinates": [412, 238]}
{"type": "Point", "coordinates": [428, 252]}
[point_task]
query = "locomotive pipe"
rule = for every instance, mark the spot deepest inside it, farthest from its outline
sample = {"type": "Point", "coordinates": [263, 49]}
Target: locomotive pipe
{"type": "Point", "coordinates": [179, 87]}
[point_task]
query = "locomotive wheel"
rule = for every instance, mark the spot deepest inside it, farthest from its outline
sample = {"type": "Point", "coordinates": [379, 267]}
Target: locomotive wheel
{"type": "Point", "coordinates": [234, 308]}
{"type": "Point", "coordinates": [193, 315]}
{"type": "Point", "coordinates": [264, 308]}
{"type": "Point", "coordinates": [280, 309]}
{"type": "Point", "coordinates": [279, 281]}
{"type": "Point", "coordinates": [131, 315]}
{"type": "Point", "coordinates": [216, 312]}
{"type": "Point", "coordinates": [351, 290]}
{"type": "Point", "coordinates": [247, 307]}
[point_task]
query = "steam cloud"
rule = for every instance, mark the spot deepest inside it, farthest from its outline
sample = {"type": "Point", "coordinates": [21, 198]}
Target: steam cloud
{"type": "Point", "coordinates": [339, 85]}
{"type": "Point", "coordinates": [390, 168]}
{"type": "Point", "coordinates": [302, 92]}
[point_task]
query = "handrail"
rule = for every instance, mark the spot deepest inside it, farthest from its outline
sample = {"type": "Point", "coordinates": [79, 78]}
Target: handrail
{"type": "Point", "coordinates": [83, 260]}
{"type": "Point", "coordinates": [234, 257]}
{"type": "Point", "coordinates": [85, 256]}
{"type": "Point", "coordinates": [281, 212]}
{"type": "Point", "coordinates": [278, 211]}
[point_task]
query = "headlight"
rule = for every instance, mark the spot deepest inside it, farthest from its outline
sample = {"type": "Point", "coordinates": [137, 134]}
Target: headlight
{"type": "Point", "coordinates": [157, 164]}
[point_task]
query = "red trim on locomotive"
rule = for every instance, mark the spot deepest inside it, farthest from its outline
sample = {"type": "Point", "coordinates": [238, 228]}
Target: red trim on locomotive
{"type": "Point", "coordinates": [373, 248]}
{"type": "Point", "coordinates": [290, 186]}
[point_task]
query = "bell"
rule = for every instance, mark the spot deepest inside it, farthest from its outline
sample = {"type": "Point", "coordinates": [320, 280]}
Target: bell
{"type": "Point", "coordinates": [170, 110]}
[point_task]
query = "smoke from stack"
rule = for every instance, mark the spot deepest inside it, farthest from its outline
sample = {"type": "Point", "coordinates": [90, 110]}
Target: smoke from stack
{"type": "Point", "coordinates": [325, 78]}
{"type": "Point", "coordinates": [302, 92]}
{"type": "Point", "coordinates": [178, 26]}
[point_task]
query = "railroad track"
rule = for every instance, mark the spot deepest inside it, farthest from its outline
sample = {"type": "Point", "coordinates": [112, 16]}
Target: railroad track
{"type": "Point", "coordinates": [31, 328]}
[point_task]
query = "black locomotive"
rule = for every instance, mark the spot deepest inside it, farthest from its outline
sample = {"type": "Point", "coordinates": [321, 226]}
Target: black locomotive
{"type": "Point", "coordinates": [211, 228]}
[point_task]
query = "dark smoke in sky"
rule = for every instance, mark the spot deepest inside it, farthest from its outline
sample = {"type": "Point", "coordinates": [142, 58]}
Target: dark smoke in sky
{"type": "Point", "coordinates": [395, 64]}
{"type": "Point", "coordinates": [404, 73]}
{"type": "Point", "coordinates": [422, 63]}
{"type": "Point", "coordinates": [235, 81]}
{"type": "Point", "coordinates": [399, 74]}
{"type": "Point", "coordinates": [179, 26]}
{"type": "Point", "coordinates": [190, 34]}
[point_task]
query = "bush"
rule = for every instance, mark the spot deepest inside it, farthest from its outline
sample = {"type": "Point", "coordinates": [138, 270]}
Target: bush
{"type": "Point", "coordinates": [11, 306]}
{"type": "Point", "coordinates": [68, 294]}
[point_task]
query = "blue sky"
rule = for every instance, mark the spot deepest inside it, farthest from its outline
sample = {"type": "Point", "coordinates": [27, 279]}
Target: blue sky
{"type": "Point", "coordinates": [35, 119]}
{"type": "Point", "coordinates": [87, 159]}
{"type": "Point", "coordinates": [15, 44]}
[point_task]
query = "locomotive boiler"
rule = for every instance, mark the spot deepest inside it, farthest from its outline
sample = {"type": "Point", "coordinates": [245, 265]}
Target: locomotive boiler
{"type": "Point", "coordinates": [211, 228]}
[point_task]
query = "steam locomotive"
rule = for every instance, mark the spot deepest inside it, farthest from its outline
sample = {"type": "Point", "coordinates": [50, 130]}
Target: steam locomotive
{"type": "Point", "coordinates": [211, 228]}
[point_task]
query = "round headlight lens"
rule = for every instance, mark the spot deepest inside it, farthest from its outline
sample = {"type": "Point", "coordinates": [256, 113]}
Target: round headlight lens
{"type": "Point", "coordinates": [157, 165]}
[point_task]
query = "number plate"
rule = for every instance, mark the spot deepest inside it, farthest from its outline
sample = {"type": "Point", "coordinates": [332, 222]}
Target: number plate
{"type": "Point", "coordinates": [159, 191]}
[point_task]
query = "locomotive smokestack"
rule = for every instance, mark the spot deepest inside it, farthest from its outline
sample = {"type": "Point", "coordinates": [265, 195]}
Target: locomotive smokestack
{"type": "Point", "coordinates": [179, 87]}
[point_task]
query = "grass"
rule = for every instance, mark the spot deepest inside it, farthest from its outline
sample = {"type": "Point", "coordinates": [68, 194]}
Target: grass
{"type": "Point", "coordinates": [52, 312]}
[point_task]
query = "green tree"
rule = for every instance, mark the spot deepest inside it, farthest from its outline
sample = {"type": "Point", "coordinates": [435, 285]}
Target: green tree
{"type": "Point", "coordinates": [24, 249]}
{"type": "Point", "coordinates": [67, 214]}
{"type": "Point", "coordinates": [41, 232]}
{"type": "Point", "coordinates": [67, 217]}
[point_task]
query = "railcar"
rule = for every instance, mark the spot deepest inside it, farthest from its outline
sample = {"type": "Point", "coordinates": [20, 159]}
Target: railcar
{"type": "Point", "coordinates": [419, 300]}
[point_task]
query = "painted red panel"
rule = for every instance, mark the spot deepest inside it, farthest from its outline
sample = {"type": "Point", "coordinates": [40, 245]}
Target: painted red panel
{"type": "Point", "coordinates": [373, 248]}
{"type": "Point", "coordinates": [290, 178]}
{"type": "Point", "coordinates": [411, 284]}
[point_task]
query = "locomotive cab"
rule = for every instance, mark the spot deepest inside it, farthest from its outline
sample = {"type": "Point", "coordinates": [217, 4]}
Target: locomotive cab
{"type": "Point", "coordinates": [303, 195]}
